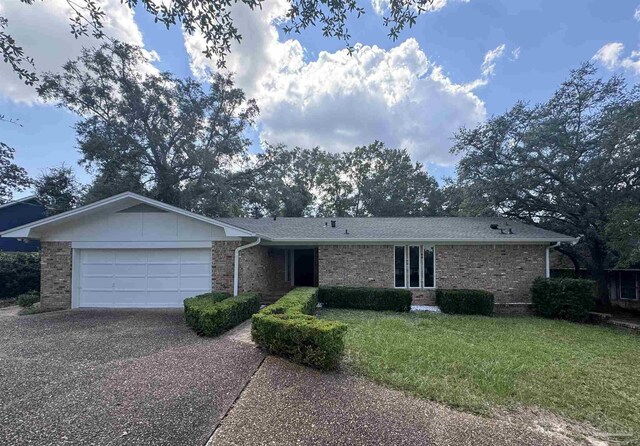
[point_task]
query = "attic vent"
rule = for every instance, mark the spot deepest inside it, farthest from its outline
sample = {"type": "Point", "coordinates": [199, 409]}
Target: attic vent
{"type": "Point", "coordinates": [140, 208]}
{"type": "Point", "coordinates": [493, 225]}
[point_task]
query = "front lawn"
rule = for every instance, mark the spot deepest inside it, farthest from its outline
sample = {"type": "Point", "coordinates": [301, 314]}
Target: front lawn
{"type": "Point", "coordinates": [477, 363]}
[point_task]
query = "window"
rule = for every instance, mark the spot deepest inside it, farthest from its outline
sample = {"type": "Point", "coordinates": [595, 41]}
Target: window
{"type": "Point", "coordinates": [414, 266]}
{"type": "Point", "coordinates": [627, 285]}
{"type": "Point", "coordinates": [399, 267]}
{"type": "Point", "coordinates": [429, 267]}
{"type": "Point", "coordinates": [287, 268]}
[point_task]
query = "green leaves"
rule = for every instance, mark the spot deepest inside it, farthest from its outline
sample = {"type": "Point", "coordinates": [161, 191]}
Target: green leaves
{"type": "Point", "coordinates": [564, 164]}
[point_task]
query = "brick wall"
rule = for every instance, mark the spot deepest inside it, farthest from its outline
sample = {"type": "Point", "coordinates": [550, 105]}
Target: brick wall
{"type": "Point", "coordinates": [260, 268]}
{"type": "Point", "coordinates": [222, 258]}
{"type": "Point", "coordinates": [55, 275]}
{"type": "Point", "coordinates": [356, 265]}
{"type": "Point", "coordinates": [505, 270]}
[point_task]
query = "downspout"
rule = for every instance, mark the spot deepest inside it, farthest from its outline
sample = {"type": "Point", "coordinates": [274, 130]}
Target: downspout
{"type": "Point", "coordinates": [236, 260]}
{"type": "Point", "coordinates": [555, 245]}
{"type": "Point", "coordinates": [548, 266]}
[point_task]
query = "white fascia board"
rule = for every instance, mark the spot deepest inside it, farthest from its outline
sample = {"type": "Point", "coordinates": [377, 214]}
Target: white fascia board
{"type": "Point", "coordinates": [26, 230]}
{"type": "Point", "coordinates": [18, 201]}
{"type": "Point", "coordinates": [420, 240]}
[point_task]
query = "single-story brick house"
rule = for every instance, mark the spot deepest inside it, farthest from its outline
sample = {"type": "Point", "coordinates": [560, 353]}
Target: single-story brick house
{"type": "Point", "coordinates": [132, 251]}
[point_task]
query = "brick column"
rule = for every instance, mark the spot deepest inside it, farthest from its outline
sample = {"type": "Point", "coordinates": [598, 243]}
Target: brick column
{"type": "Point", "coordinates": [222, 258]}
{"type": "Point", "coordinates": [55, 275]}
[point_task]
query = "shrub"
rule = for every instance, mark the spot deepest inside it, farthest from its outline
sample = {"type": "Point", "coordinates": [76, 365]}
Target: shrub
{"type": "Point", "coordinates": [563, 298]}
{"type": "Point", "coordinates": [286, 328]}
{"type": "Point", "coordinates": [194, 305]}
{"type": "Point", "coordinates": [213, 313]}
{"type": "Point", "coordinates": [19, 273]}
{"type": "Point", "coordinates": [465, 301]}
{"type": "Point", "coordinates": [28, 299]}
{"type": "Point", "coordinates": [361, 298]}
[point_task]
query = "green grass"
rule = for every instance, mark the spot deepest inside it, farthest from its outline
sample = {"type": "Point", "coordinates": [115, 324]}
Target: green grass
{"type": "Point", "coordinates": [584, 372]}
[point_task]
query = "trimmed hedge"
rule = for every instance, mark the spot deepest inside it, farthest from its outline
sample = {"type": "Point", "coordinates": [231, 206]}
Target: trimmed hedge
{"type": "Point", "coordinates": [465, 302]}
{"type": "Point", "coordinates": [19, 273]}
{"type": "Point", "coordinates": [286, 328]}
{"type": "Point", "coordinates": [362, 298]}
{"type": "Point", "coordinates": [28, 299]}
{"type": "Point", "coordinates": [213, 313]}
{"type": "Point", "coordinates": [563, 298]}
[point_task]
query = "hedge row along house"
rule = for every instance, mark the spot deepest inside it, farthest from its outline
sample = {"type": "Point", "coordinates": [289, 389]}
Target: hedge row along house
{"type": "Point", "coordinates": [132, 251]}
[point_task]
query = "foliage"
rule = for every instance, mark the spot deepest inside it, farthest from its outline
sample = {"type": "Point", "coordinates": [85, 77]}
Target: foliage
{"type": "Point", "coordinates": [287, 329]}
{"type": "Point", "coordinates": [563, 165]}
{"type": "Point", "coordinates": [283, 181]}
{"type": "Point", "coordinates": [378, 299]}
{"type": "Point", "coordinates": [178, 137]}
{"type": "Point", "coordinates": [14, 55]}
{"type": "Point", "coordinates": [12, 176]}
{"type": "Point", "coordinates": [465, 302]}
{"type": "Point", "coordinates": [376, 181]}
{"type": "Point", "coordinates": [213, 313]}
{"type": "Point", "coordinates": [371, 180]}
{"type": "Point", "coordinates": [28, 299]}
{"type": "Point", "coordinates": [19, 273]}
{"type": "Point", "coordinates": [623, 235]}
{"type": "Point", "coordinates": [563, 298]}
{"type": "Point", "coordinates": [583, 372]}
{"type": "Point", "coordinates": [58, 189]}
{"type": "Point", "coordinates": [213, 21]}
{"type": "Point", "coordinates": [193, 305]}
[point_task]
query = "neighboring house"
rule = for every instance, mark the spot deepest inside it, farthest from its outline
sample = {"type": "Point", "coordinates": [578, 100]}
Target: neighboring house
{"type": "Point", "coordinates": [17, 213]}
{"type": "Point", "coordinates": [131, 251]}
{"type": "Point", "coordinates": [623, 284]}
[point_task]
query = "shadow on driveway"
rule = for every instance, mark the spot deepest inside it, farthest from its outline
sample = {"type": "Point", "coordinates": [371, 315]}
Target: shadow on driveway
{"type": "Point", "coordinates": [116, 377]}
{"type": "Point", "coordinates": [286, 404]}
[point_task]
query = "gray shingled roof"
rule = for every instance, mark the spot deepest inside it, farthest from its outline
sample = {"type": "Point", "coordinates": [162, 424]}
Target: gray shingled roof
{"type": "Point", "coordinates": [475, 229]}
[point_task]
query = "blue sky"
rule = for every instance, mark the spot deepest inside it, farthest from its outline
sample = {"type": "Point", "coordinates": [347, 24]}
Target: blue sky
{"type": "Point", "coordinates": [423, 74]}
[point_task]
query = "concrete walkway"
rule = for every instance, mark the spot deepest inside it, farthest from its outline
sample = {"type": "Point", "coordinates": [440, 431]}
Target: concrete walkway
{"type": "Point", "coordinates": [286, 404]}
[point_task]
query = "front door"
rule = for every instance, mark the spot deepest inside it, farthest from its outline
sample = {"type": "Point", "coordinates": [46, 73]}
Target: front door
{"type": "Point", "coordinates": [304, 270]}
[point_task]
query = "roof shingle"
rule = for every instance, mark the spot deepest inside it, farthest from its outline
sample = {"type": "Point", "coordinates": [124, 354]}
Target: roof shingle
{"type": "Point", "coordinates": [472, 229]}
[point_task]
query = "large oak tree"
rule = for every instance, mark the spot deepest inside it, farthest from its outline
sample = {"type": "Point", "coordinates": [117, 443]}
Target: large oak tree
{"type": "Point", "coordinates": [564, 164]}
{"type": "Point", "coordinates": [172, 138]}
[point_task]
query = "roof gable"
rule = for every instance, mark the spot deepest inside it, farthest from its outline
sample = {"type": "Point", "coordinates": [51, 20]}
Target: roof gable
{"type": "Point", "coordinates": [115, 204]}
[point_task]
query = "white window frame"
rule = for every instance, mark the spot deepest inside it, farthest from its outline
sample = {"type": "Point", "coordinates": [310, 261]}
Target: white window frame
{"type": "Point", "coordinates": [286, 265]}
{"type": "Point", "coordinates": [420, 271]}
{"type": "Point", "coordinates": [404, 249]}
{"type": "Point", "coordinates": [433, 247]}
{"type": "Point", "coordinates": [407, 267]}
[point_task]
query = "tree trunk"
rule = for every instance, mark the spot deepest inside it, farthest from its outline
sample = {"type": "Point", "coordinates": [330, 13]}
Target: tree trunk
{"type": "Point", "coordinates": [573, 258]}
{"type": "Point", "coordinates": [597, 268]}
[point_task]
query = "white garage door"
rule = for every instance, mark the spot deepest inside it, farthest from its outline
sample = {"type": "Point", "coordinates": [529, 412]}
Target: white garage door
{"type": "Point", "coordinates": [142, 277]}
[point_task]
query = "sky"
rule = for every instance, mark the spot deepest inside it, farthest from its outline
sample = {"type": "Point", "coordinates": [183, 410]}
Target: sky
{"type": "Point", "coordinates": [463, 62]}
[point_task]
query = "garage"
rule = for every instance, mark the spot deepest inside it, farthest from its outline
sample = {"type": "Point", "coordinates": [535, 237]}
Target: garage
{"type": "Point", "coordinates": [130, 251]}
{"type": "Point", "coordinates": [139, 278]}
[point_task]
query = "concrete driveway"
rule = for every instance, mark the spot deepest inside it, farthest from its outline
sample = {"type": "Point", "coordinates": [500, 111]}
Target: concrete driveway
{"type": "Point", "coordinates": [116, 377]}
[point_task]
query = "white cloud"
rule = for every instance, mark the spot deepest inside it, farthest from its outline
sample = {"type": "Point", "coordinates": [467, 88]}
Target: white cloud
{"type": "Point", "coordinates": [43, 30]}
{"type": "Point", "coordinates": [611, 56]}
{"type": "Point", "coordinates": [339, 101]}
{"type": "Point", "coordinates": [636, 14]}
{"type": "Point", "coordinates": [515, 54]}
{"type": "Point", "coordinates": [382, 6]}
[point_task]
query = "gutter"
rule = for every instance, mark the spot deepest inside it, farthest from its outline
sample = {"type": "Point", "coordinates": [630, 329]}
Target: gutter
{"type": "Point", "coordinates": [549, 248]}
{"type": "Point", "coordinates": [236, 261]}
